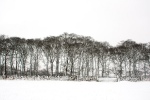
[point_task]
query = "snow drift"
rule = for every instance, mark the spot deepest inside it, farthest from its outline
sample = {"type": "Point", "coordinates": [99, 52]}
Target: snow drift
{"type": "Point", "coordinates": [68, 90]}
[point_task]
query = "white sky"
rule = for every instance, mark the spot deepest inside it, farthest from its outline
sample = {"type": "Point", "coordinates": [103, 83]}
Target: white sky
{"type": "Point", "coordinates": [104, 20]}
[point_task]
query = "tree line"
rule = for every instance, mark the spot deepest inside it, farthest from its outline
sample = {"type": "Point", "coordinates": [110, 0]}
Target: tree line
{"type": "Point", "coordinates": [73, 55]}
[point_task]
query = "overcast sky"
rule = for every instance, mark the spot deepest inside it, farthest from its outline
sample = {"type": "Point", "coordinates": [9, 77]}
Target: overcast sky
{"type": "Point", "coordinates": [104, 20]}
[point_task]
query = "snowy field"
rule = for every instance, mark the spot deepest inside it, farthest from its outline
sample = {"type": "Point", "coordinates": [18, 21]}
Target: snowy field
{"type": "Point", "coordinates": [68, 90]}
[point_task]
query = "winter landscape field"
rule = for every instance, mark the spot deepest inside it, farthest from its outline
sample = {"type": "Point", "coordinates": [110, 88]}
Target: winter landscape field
{"type": "Point", "coordinates": [69, 90]}
{"type": "Point", "coordinates": [74, 50]}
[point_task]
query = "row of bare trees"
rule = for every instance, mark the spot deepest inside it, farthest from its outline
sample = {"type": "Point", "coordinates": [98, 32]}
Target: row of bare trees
{"type": "Point", "coordinates": [73, 55]}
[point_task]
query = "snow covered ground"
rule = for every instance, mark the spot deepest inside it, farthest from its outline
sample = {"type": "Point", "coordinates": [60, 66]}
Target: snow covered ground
{"type": "Point", "coordinates": [68, 90]}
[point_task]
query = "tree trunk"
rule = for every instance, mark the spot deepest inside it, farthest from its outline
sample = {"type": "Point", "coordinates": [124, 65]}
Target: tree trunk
{"type": "Point", "coordinates": [144, 71]}
{"type": "Point", "coordinates": [134, 69]}
{"type": "Point", "coordinates": [11, 64]}
{"type": "Point", "coordinates": [16, 72]}
{"type": "Point", "coordinates": [102, 70]}
{"type": "Point", "coordinates": [72, 67]}
{"type": "Point", "coordinates": [47, 70]}
{"type": "Point", "coordinates": [5, 70]}
{"type": "Point", "coordinates": [98, 68]}
{"type": "Point", "coordinates": [52, 68]}
{"type": "Point", "coordinates": [1, 67]}
{"type": "Point", "coordinates": [37, 65]}
{"type": "Point", "coordinates": [92, 66]}
{"type": "Point", "coordinates": [24, 69]}
{"type": "Point", "coordinates": [87, 66]}
{"type": "Point", "coordinates": [57, 64]}
{"type": "Point", "coordinates": [79, 66]}
{"type": "Point", "coordinates": [66, 69]}
{"type": "Point", "coordinates": [129, 68]}
{"type": "Point", "coordinates": [31, 65]}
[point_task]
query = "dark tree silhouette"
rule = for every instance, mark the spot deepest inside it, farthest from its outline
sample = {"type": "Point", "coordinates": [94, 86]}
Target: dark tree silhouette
{"type": "Point", "coordinates": [73, 56]}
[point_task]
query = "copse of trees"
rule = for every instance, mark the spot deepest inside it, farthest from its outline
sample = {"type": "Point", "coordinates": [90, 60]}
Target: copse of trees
{"type": "Point", "coordinates": [73, 55]}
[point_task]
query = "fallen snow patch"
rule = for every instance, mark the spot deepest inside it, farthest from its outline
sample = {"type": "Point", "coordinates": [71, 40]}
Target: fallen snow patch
{"type": "Point", "coordinates": [68, 90]}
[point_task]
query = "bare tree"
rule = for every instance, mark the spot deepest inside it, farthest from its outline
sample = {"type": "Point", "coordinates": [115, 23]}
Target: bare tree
{"type": "Point", "coordinates": [31, 49]}
{"type": "Point", "coordinates": [37, 55]}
